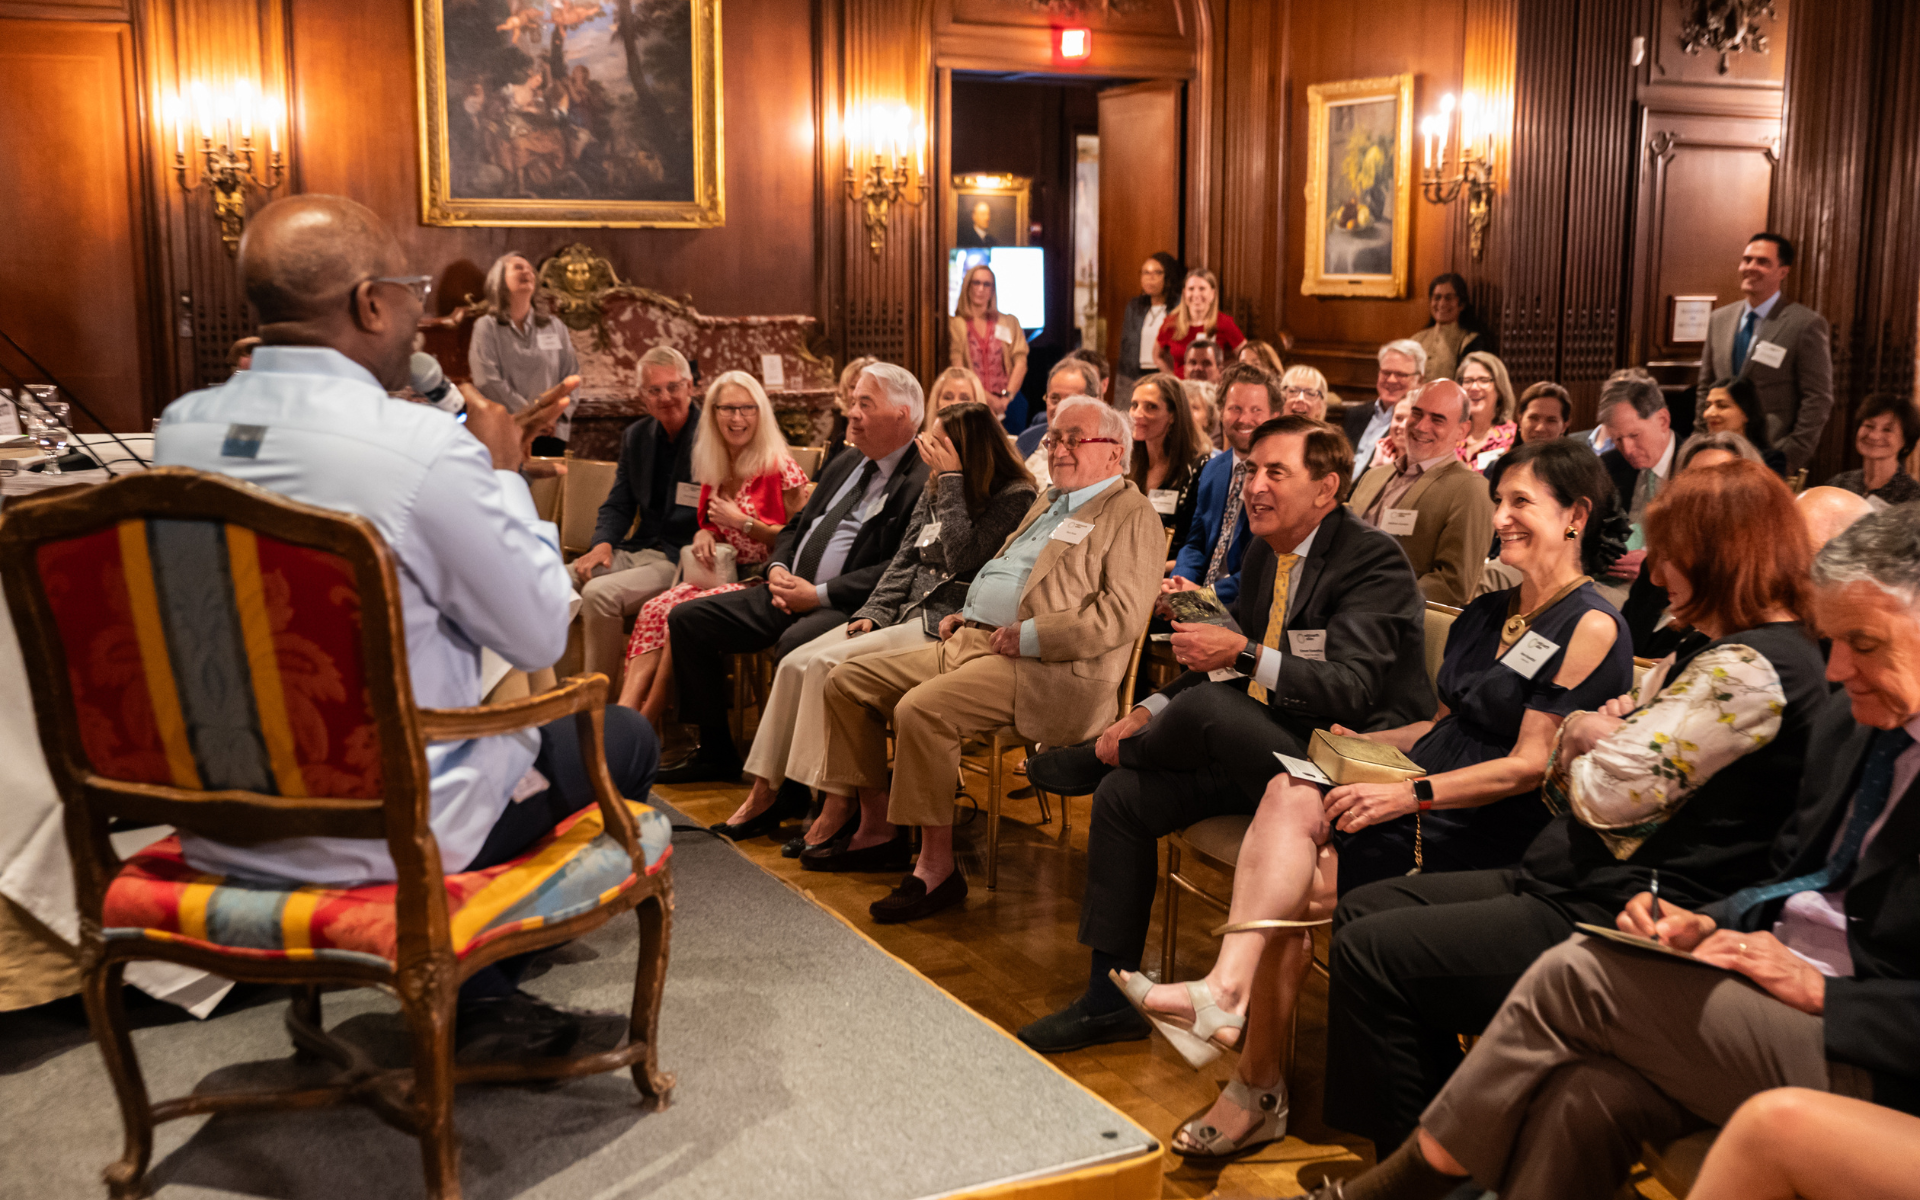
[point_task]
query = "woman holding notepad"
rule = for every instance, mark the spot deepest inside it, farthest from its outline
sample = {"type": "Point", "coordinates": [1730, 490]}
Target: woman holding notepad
{"type": "Point", "coordinates": [1517, 662]}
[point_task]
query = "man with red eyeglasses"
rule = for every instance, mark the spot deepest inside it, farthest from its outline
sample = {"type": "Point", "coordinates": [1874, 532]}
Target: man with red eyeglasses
{"type": "Point", "coordinates": [1041, 644]}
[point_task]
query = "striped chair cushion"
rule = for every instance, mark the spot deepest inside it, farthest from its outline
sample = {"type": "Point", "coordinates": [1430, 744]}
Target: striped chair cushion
{"type": "Point", "coordinates": [578, 867]}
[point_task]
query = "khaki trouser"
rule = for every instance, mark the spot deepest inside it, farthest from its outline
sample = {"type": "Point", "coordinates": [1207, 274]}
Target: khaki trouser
{"type": "Point", "coordinates": [609, 598]}
{"type": "Point", "coordinates": [1598, 1048]}
{"type": "Point", "coordinates": [938, 696]}
{"type": "Point", "coordinates": [792, 739]}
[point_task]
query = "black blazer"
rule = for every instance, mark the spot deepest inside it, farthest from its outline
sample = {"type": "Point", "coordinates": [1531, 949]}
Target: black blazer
{"type": "Point", "coordinates": [1131, 324]}
{"type": "Point", "coordinates": [1358, 416]}
{"type": "Point", "coordinates": [1624, 474]}
{"type": "Point", "coordinates": [666, 527]}
{"type": "Point", "coordinates": [874, 546]}
{"type": "Point", "coordinates": [1872, 1019]}
{"type": "Point", "coordinates": [1358, 586]}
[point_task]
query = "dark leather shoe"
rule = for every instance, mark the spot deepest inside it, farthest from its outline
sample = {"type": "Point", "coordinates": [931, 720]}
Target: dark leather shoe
{"type": "Point", "coordinates": [795, 847]}
{"type": "Point", "coordinates": [911, 900]}
{"type": "Point", "coordinates": [509, 1027]}
{"type": "Point", "coordinates": [895, 855]}
{"type": "Point", "coordinates": [703, 768]}
{"type": "Point", "coordinates": [785, 807]}
{"type": "Point", "coordinates": [1068, 771]}
{"type": "Point", "coordinates": [1074, 1028]}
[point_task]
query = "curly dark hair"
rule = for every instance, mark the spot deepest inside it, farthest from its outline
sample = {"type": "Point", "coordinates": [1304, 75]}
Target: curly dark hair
{"type": "Point", "coordinates": [1573, 472]}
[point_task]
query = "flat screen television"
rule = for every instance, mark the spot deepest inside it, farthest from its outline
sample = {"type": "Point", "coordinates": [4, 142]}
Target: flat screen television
{"type": "Point", "coordinates": [1020, 278]}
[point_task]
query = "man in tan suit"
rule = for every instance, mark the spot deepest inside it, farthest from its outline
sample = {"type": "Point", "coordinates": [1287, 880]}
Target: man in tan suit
{"type": "Point", "coordinates": [1435, 504]}
{"type": "Point", "coordinates": [1041, 645]}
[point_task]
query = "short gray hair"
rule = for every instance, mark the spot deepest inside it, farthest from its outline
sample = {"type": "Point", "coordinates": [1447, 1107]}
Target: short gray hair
{"type": "Point", "coordinates": [1089, 377]}
{"type": "Point", "coordinates": [1880, 548]}
{"type": "Point", "coordinates": [1725, 439]}
{"type": "Point", "coordinates": [902, 389]}
{"type": "Point", "coordinates": [1407, 346]}
{"type": "Point", "coordinates": [1631, 385]}
{"type": "Point", "coordinates": [665, 356]}
{"type": "Point", "coordinates": [1112, 422]}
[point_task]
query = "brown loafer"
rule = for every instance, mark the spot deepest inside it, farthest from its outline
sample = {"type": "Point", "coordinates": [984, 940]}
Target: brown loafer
{"type": "Point", "coordinates": [911, 900]}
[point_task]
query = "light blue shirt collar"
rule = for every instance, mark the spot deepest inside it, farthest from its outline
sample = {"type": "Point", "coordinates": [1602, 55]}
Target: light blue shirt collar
{"type": "Point", "coordinates": [1764, 308]}
{"type": "Point", "coordinates": [1081, 495]}
{"type": "Point", "coordinates": [310, 360]}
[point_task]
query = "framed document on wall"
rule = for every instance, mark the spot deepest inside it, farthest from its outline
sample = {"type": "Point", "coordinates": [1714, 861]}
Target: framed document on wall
{"type": "Point", "coordinates": [569, 112]}
{"type": "Point", "coordinates": [1687, 318]}
{"type": "Point", "coordinates": [1359, 187]}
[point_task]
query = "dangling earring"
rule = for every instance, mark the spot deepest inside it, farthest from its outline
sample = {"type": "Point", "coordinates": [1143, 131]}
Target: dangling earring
{"type": "Point", "coordinates": [1573, 531]}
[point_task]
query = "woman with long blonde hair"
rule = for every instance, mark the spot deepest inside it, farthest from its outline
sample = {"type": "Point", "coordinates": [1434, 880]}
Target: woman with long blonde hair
{"type": "Point", "coordinates": [987, 341]}
{"type": "Point", "coordinates": [1198, 313]}
{"type": "Point", "coordinates": [749, 485]}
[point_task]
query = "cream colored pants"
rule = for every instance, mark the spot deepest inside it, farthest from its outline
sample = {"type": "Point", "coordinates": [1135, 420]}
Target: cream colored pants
{"type": "Point", "coordinates": [792, 740]}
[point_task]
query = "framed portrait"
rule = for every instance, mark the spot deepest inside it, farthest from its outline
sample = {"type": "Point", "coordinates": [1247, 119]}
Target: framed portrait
{"type": "Point", "coordinates": [569, 112]}
{"type": "Point", "coordinates": [1359, 187]}
{"type": "Point", "coordinates": [990, 210]}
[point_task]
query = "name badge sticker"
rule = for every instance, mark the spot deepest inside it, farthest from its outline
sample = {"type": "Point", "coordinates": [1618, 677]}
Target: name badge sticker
{"type": "Point", "coordinates": [1003, 334]}
{"type": "Point", "coordinates": [1300, 768]}
{"type": "Point", "coordinates": [548, 338]}
{"type": "Point", "coordinates": [1399, 521]}
{"type": "Point", "coordinates": [1310, 644]}
{"type": "Point", "coordinates": [929, 534]}
{"type": "Point", "coordinates": [243, 441]}
{"type": "Point", "coordinates": [687, 494]}
{"type": "Point", "coordinates": [1072, 532]}
{"type": "Point", "coordinates": [1224, 675]}
{"type": "Point", "coordinates": [1164, 500]}
{"type": "Point", "coordinates": [1769, 354]}
{"type": "Point", "coordinates": [1530, 654]}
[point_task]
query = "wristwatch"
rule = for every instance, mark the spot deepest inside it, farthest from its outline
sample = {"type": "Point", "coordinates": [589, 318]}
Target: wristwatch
{"type": "Point", "coordinates": [1423, 792]}
{"type": "Point", "coordinates": [1248, 659]}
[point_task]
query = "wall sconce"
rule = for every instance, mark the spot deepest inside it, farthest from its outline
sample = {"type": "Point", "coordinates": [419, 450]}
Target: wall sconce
{"type": "Point", "coordinates": [1473, 163]}
{"type": "Point", "coordinates": [222, 134]}
{"type": "Point", "coordinates": [884, 131]}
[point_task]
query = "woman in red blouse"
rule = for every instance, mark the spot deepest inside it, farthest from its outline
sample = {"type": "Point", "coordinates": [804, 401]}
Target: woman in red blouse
{"type": "Point", "coordinates": [748, 486]}
{"type": "Point", "coordinates": [1198, 313]}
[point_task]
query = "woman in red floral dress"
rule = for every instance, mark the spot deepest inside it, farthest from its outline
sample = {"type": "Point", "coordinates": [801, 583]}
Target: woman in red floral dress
{"type": "Point", "coordinates": [748, 486]}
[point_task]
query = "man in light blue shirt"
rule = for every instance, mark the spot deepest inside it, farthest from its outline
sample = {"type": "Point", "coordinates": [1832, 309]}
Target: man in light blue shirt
{"type": "Point", "coordinates": [312, 420]}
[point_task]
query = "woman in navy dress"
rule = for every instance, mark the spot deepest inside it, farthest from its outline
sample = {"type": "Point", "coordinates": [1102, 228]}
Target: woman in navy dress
{"type": "Point", "coordinates": [1517, 663]}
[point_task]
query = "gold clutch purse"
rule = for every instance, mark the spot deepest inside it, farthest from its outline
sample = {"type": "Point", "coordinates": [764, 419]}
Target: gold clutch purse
{"type": "Point", "coordinates": [1357, 760]}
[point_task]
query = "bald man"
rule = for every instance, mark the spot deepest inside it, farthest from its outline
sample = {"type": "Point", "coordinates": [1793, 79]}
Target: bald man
{"type": "Point", "coordinates": [313, 421]}
{"type": "Point", "coordinates": [1828, 510]}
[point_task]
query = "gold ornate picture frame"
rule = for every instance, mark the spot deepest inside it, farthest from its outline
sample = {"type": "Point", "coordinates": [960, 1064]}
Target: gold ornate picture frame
{"type": "Point", "coordinates": [1004, 198]}
{"type": "Point", "coordinates": [602, 113]}
{"type": "Point", "coordinates": [1359, 187]}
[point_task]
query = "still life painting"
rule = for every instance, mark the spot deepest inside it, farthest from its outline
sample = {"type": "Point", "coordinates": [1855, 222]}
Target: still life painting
{"type": "Point", "coordinates": [570, 112]}
{"type": "Point", "coordinates": [1359, 187]}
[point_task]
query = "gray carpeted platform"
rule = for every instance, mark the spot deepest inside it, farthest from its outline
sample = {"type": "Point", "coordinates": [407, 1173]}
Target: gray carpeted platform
{"type": "Point", "coordinates": [810, 1064]}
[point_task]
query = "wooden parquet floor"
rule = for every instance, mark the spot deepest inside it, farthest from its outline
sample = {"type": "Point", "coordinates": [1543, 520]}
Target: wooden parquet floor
{"type": "Point", "coordinates": [1012, 955]}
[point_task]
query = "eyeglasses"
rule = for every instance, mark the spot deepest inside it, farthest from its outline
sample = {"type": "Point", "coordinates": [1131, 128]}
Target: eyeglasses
{"type": "Point", "coordinates": [735, 410]}
{"type": "Point", "coordinates": [1295, 393]}
{"type": "Point", "coordinates": [659, 391]}
{"type": "Point", "coordinates": [1484, 381]}
{"type": "Point", "coordinates": [1073, 441]}
{"type": "Point", "coordinates": [420, 285]}
{"type": "Point", "coordinates": [1398, 375]}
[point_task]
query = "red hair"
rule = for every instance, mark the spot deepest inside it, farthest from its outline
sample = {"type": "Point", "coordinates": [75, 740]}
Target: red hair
{"type": "Point", "coordinates": [1734, 532]}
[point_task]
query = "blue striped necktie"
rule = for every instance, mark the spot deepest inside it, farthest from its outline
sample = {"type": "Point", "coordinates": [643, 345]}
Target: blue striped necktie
{"type": "Point", "coordinates": [1869, 801]}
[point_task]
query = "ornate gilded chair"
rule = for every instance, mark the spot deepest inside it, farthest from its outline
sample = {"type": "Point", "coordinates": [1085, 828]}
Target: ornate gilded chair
{"type": "Point", "coordinates": [207, 655]}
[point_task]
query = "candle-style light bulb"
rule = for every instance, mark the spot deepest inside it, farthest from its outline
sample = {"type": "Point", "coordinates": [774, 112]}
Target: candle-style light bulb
{"type": "Point", "coordinates": [179, 124]}
{"type": "Point", "coordinates": [244, 97]}
{"type": "Point", "coordinates": [203, 108]}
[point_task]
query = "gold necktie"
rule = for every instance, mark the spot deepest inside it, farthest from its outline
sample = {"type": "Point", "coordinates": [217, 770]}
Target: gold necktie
{"type": "Point", "coordinates": [1276, 615]}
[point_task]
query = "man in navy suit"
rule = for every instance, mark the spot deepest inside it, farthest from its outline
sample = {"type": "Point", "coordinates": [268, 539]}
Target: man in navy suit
{"type": "Point", "coordinates": [1217, 540]}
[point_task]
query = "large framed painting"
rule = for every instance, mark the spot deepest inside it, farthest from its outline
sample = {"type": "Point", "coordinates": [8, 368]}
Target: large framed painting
{"type": "Point", "coordinates": [1359, 187]}
{"type": "Point", "coordinates": [990, 210]}
{"type": "Point", "coordinates": [569, 112]}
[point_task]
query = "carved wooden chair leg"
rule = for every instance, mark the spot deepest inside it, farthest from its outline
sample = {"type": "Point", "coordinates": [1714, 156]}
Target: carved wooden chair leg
{"type": "Point", "coordinates": [656, 937]}
{"type": "Point", "coordinates": [107, 1011]}
{"type": "Point", "coordinates": [428, 998]}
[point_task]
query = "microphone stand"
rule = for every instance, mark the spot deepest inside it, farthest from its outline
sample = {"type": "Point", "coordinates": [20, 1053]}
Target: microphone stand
{"type": "Point", "coordinates": [20, 390]}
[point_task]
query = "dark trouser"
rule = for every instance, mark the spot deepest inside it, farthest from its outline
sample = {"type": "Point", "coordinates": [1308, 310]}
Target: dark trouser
{"type": "Point", "coordinates": [1416, 962]}
{"type": "Point", "coordinates": [704, 631]}
{"type": "Point", "coordinates": [1208, 754]}
{"type": "Point", "coordinates": [633, 758]}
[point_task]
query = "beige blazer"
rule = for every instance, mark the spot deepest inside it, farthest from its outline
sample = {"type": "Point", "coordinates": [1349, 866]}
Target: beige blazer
{"type": "Point", "coordinates": [1009, 350]}
{"type": "Point", "coordinates": [1088, 603]}
{"type": "Point", "coordinates": [1448, 545]}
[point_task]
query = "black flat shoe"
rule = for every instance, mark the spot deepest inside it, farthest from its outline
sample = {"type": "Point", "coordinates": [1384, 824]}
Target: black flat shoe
{"type": "Point", "coordinates": [1074, 1028]}
{"type": "Point", "coordinates": [895, 855]}
{"type": "Point", "coordinates": [785, 806]}
{"type": "Point", "coordinates": [912, 901]}
{"type": "Point", "coordinates": [702, 768]}
{"type": "Point", "coordinates": [795, 847]}
{"type": "Point", "coordinates": [1068, 771]}
{"type": "Point", "coordinates": [510, 1027]}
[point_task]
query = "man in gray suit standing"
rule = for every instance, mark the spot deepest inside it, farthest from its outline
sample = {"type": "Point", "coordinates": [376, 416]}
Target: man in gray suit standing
{"type": "Point", "coordinates": [1781, 345]}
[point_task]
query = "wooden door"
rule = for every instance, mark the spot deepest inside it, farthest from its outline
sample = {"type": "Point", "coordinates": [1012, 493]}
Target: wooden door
{"type": "Point", "coordinates": [74, 274]}
{"type": "Point", "coordinates": [1140, 187]}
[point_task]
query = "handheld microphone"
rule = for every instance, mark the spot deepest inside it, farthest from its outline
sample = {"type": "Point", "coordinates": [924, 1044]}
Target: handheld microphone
{"type": "Point", "coordinates": [431, 382]}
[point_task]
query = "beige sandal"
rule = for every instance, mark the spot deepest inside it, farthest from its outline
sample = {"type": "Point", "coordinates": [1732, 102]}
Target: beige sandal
{"type": "Point", "coordinates": [1210, 1145]}
{"type": "Point", "coordinates": [1194, 1039]}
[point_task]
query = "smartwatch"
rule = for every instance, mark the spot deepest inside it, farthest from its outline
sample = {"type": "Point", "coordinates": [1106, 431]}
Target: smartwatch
{"type": "Point", "coordinates": [1423, 792]}
{"type": "Point", "coordinates": [1248, 659]}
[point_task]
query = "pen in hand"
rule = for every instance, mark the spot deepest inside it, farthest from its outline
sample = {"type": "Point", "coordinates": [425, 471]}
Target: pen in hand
{"type": "Point", "coordinates": [1655, 889]}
